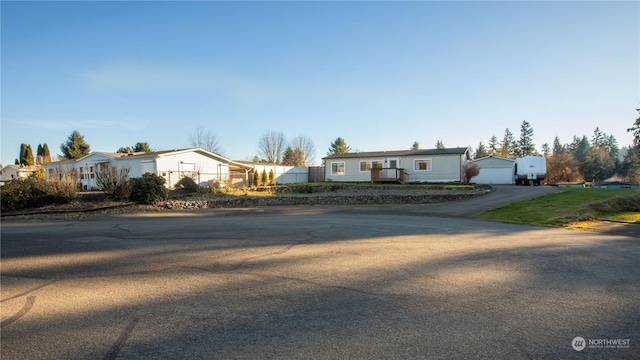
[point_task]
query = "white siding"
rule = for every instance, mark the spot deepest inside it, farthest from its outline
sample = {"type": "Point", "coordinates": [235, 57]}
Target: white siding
{"type": "Point", "coordinates": [494, 170]}
{"type": "Point", "coordinates": [201, 168]}
{"type": "Point", "coordinates": [444, 168]}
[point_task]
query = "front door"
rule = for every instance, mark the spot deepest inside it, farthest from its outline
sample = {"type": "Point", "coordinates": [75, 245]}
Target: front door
{"type": "Point", "coordinates": [392, 165]}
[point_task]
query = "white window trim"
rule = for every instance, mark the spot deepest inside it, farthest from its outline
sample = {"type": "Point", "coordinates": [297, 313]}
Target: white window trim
{"type": "Point", "coordinates": [429, 162]}
{"type": "Point", "coordinates": [343, 168]}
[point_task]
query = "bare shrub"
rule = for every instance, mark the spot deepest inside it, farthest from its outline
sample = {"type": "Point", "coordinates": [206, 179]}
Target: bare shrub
{"type": "Point", "coordinates": [113, 181]}
{"type": "Point", "coordinates": [62, 184]}
{"type": "Point", "coordinates": [470, 170]}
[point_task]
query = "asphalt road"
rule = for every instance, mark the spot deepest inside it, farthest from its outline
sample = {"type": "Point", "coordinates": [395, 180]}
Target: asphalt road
{"type": "Point", "coordinates": [315, 283]}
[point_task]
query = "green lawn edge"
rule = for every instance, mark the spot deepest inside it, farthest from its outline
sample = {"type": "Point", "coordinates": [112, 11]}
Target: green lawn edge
{"type": "Point", "coordinates": [571, 205]}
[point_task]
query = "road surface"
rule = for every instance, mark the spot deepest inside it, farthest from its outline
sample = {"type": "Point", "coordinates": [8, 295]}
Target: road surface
{"type": "Point", "coordinates": [314, 283]}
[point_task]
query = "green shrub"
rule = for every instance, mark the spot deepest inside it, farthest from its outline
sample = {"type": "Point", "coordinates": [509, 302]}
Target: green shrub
{"type": "Point", "coordinates": [265, 178]}
{"type": "Point", "coordinates": [306, 189]}
{"type": "Point", "coordinates": [256, 178]}
{"type": "Point", "coordinates": [148, 189]}
{"type": "Point", "coordinates": [23, 193]}
{"type": "Point", "coordinates": [187, 184]}
{"type": "Point", "coordinates": [272, 177]}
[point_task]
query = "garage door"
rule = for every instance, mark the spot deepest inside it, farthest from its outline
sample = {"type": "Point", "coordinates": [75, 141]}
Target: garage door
{"type": "Point", "coordinates": [494, 176]}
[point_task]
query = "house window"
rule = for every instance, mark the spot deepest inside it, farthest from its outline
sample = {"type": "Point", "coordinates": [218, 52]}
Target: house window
{"type": "Point", "coordinates": [376, 164]}
{"type": "Point", "coordinates": [365, 166]}
{"type": "Point", "coordinates": [337, 168]}
{"type": "Point", "coordinates": [422, 165]}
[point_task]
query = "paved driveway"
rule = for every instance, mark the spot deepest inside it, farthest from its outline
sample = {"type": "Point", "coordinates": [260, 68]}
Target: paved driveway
{"type": "Point", "coordinates": [314, 283]}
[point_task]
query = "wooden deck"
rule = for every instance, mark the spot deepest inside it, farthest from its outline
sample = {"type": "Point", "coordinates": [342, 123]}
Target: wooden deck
{"type": "Point", "coordinates": [396, 175]}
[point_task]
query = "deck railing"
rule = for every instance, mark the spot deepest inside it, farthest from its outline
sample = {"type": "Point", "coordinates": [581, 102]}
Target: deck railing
{"type": "Point", "coordinates": [388, 175]}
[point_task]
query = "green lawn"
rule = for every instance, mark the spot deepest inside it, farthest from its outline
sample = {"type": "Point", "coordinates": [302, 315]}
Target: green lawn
{"type": "Point", "coordinates": [622, 205]}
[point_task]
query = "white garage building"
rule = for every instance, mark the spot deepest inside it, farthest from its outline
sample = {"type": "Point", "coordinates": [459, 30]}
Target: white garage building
{"type": "Point", "coordinates": [494, 170]}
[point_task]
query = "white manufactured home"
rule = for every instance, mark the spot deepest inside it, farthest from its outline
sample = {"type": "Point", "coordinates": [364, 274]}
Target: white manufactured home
{"type": "Point", "coordinates": [431, 165]}
{"type": "Point", "coordinates": [201, 165]}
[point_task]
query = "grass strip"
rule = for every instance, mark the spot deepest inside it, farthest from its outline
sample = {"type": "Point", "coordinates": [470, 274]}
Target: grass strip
{"type": "Point", "coordinates": [569, 206]}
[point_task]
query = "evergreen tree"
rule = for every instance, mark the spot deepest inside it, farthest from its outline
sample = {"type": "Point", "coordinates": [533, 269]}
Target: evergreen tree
{"type": "Point", "coordinates": [525, 143]}
{"type": "Point", "coordinates": [305, 147]}
{"type": "Point", "coordinates": [23, 154]}
{"type": "Point", "coordinates": [124, 150]}
{"type": "Point", "coordinates": [46, 153]}
{"type": "Point", "coordinates": [602, 157]}
{"type": "Point", "coordinates": [339, 146]}
{"type": "Point", "coordinates": [558, 148]}
{"type": "Point", "coordinates": [415, 146]}
{"type": "Point", "coordinates": [580, 148]}
{"type": "Point", "coordinates": [508, 145]}
{"type": "Point", "coordinates": [630, 167]}
{"type": "Point", "coordinates": [481, 151]}
{"type": "Point", "coordinates": [29, 160]}
{"type": "Point", "coordinates": [272, 177]}
{"type": "Point", "coordinates": [256, 179]}
{"type": "Point", "coordinates": [141, 147]}
{"type": "Point", "coordinates": [17, 162]}
{"type": "Point", "coordinates": [265, 177]}
{"type": "Point", "coordinates": [439, 144]}
{"type": "Point", "coordinates": [39, 155]}
{"type": "Point", "coordinates": [635, 130]}
{"type": "Point", "coordinates": [293, 157]}
{"type": "Point", "coordinates": [75, 147]}
{"type": "Point", "coordinates": [493, 146]}
{"type": "Point", "coordinates": [546, 150]}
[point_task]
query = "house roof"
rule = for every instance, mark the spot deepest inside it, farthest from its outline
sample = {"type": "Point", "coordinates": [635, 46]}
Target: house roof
{"type": "Point", "coordinates": [493, 157]}
{"type": "Point", "coordinates": [155, 154]}
{"type": "Point", "coordinates": [422, 152]}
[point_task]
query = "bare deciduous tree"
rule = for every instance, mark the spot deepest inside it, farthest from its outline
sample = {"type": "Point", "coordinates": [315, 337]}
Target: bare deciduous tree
{"type": "Point", "coordinates": [305, 146]}
{"type": "Point", "coordinates": [271, 146]}
{"type": "Point", "coordinates": [205, 139]}
{"type": "Point", "coordinates": [563, 168]}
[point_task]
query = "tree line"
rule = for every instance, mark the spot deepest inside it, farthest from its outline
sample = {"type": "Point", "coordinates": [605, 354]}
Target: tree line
{"type": "Point", "coordinates": [583, 159]}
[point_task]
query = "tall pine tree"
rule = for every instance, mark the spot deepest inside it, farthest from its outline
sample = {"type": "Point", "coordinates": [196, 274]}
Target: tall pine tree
{"type": "Point", "coordinates": [508, 145]}
{"type": "Point", "coordinates": [339, 146]}
{"type": "Point", "coordinates": [75, 147]}
{"type": "Point", "coordinates": [525, 143]}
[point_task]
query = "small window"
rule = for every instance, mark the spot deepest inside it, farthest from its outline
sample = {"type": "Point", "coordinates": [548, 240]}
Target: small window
{"type": "Point", "coordinates": [337, 168]}
{"type": "Point", "coordinates": [91, 169]}
{"type": "Point", "coordinates": [93, 176]}
{"type": "Point", "coordinates": [376, 164]}
{"type": "Point", "coordinates": [422, 165]}
{"type": "Point", "coordinates": [365, 166]}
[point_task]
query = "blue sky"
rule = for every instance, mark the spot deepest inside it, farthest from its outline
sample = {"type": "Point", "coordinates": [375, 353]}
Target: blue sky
{"type": "Point", "coordinates": [379, 74]}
